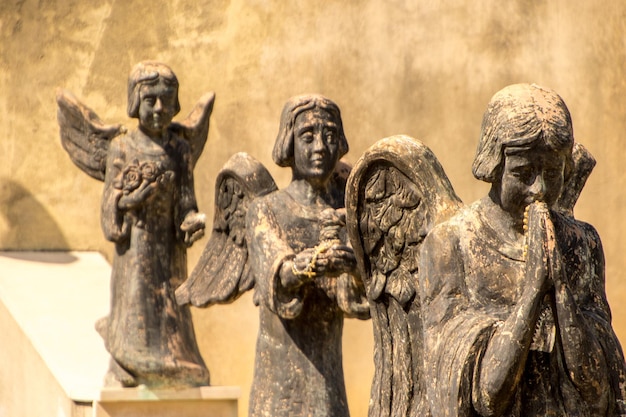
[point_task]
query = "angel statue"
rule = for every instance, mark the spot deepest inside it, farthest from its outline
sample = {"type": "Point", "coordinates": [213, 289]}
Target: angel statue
{"type": "Point", "coordinates": [497, 308]}
{"type": "Point", "coordinates": [291, 246]}
{"type": "Point", "coordinates": [149, 210]}
{"type": "Point", "coordinates": [396, 192]}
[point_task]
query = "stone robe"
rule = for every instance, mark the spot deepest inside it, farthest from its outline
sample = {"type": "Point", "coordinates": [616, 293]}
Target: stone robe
{"type": "Point", "coordinates": [149, 336]}
{"type": "Point", "coordinates": [298, 368]}
{"type": "Point", "coordinates": [471, 282]}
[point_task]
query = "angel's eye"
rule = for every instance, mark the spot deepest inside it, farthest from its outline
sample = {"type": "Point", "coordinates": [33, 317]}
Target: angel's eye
{"type": "Point", "coordinates": [553, 174]}
{"type": "Point", "coordinates": [168, 101]}
{"type": "Point", "coordinates": [306, 137]}
{"type": "Point", "coordinates": [524, 174]}
{"type": "Point", "coordinates": [330, 137]}
{"type": "Point", "coordinates": [151, 100]}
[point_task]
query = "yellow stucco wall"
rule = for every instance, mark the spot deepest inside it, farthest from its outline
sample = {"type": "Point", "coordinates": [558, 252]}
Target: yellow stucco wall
{"type": "Point", "coordinates": [423, 68]}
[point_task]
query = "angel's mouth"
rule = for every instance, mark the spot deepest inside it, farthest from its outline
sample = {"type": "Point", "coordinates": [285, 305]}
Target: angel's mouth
{"type": "Point", "coordinates": [156, 120]}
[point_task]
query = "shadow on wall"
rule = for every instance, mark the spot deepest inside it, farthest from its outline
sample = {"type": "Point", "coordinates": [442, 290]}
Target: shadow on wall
{"type": "Point", "coordinates": [25, 224]}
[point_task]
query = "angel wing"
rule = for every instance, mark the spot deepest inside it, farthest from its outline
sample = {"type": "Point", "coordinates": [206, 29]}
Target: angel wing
{"type": "Point", "coordinates": [195, 127]}
{"type": "Point", "coordinates": [584, 163]}
{"type": "Point", "coordinates": [395, 194]}
{"type": "Point", "coordinates": [222, 273]}
{"type": "Point", "coordinates": [83, 135]}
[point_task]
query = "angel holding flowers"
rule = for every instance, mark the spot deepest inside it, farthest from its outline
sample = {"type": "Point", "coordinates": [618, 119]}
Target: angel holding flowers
{"type": "Point", "coordinates": [149, 211]}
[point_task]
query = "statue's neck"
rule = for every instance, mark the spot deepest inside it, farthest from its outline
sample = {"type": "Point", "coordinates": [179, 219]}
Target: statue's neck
{"type": "Point", "coordinates": [508, 227]}
{"type": "Point", "coordinates": [309, 193]}
{"type": "Point", "coordinates": [159, 139]}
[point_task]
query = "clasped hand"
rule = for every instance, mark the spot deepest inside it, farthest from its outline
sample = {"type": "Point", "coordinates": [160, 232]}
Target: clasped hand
{"type": "Point", "coordinates": [541, 253]}
{"type": "Point", "coordinates": [332, 261]}
{"type": "Point", "coordinates": [193, 227]}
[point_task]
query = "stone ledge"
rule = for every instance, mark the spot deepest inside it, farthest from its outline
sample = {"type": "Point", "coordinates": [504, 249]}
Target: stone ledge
{"type": "Point", "coordinates": [145, 394]}
{"type": "Point", "coordinates": [56, 362]}
{"type": "Point", "coordinates": [55, 298]}
{"type": "Point", "coordinates": [188, 402]}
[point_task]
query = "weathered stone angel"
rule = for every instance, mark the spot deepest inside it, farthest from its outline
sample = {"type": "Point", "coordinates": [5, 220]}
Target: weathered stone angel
{"type": "Point", "coordinates": [291, 246]}
{"type": "Point", "coordinates": [149, 210]}
{"type": "Point", "coordinates": [503, 311]}
{"type": "Point", "coordinates": [396, 193]}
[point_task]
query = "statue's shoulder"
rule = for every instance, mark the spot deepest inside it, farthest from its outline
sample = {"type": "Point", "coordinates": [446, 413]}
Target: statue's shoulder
{"type": "Point", "coordinates": [466, 221]}
{"type": "Point", "coordinates": [268, 204]}
{"type": "Point", "coordinates": [574, 231]}
{"type": "Point", "coordinates": [120, 144]}
{"type": "Point", "coordinates": [572, 223]}
{"type": "Point", "coordinates": [271, 199]}
{"type": "Point", "coordinates": [179, 141]}
{"type": "Point", "coordinates": [125, 139]}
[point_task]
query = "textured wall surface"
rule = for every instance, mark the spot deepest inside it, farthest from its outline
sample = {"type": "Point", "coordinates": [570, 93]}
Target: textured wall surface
{"type": "Point", "coordinates": [423, 68]}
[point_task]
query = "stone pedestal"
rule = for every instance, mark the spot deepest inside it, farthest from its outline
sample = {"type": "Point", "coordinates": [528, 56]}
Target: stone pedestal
{"type": "Point", "coordinates": [53, 361]}
{"type": "Point", "coordinates": [193, 402]}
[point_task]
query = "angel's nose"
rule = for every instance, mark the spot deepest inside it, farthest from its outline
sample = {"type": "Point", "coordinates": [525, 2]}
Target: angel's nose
{"type": "Point", "coordinates": [538, 187]}
{"type": "Point", "coordinates": [318, 142]}
{"type": "Point", "coordinates": [158, 106]}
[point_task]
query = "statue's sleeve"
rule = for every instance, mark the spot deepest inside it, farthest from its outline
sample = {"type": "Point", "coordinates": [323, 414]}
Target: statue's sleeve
{"type": "Point", "coordinates": [455, 334]}
{"type": "Point", "coordinates": [268, 249]}
{"type": "Point", "coordinates": [351, 297]}
{"type": "Point", "coordinates": [187, 195]}
{"type": "Point", "coordinates": [115, 224]}
{"type": "Point", "coordinates": [596, 308]}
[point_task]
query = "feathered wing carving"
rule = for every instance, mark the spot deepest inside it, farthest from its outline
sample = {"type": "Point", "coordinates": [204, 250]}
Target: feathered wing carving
{"type": "Point", "coordinates": [83, 135]}
{"type": "Point", "coordinates": [195, 127]}
{"type": "Point", "coordinates": [395, 194]}
{"type": "Point", "coordinates": [584, 163]}
{"type": "Point", "coordinates": [222, 273]}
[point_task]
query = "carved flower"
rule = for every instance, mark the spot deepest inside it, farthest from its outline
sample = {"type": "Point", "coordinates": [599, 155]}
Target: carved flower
{"type": "Point", "coordinates": [131, 177]}
{"type": "Point", "coordinates": [149, 171]}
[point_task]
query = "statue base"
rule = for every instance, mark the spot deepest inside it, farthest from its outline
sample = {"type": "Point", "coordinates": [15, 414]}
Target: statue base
{"type": "Point", "coordinates": [53, 361]}
{"type": "Point", "coordinates": [191, 402]}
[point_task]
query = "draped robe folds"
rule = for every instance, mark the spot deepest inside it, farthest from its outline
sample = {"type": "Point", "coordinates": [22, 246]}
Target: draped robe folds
{"type": "Point", "coordinates": [298, 367]}
{"type": "Point", "coordinates": [470, 283]}
{"type": "Point", "coordinates": [149, 336]}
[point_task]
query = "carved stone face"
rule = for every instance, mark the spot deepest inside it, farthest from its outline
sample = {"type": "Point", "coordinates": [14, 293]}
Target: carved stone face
{"type": "Point", "coordinates": [315, 146]}
{"type": "Point", "coordinates": [528, 175]}
{"type": "Point", "coordinates": [157, 107]}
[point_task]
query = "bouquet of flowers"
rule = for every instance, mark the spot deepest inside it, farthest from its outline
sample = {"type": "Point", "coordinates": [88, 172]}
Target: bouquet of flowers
{"type": "Point", "coordinates": [139, 176]}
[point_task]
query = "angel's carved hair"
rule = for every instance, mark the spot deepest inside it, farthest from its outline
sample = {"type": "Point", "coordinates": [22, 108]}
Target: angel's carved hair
{"type": "Point", "coordinates": [149, 72]}
{"type": "Point", "coordinates": [518, 116]}
{"type": "Point", "coordinates": [283, 147]}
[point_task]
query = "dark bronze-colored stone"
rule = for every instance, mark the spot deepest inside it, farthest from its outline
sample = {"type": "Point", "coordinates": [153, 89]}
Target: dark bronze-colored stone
{"type": "Point", "coordinates": [223, 272]}
{"type": "Point", "coordinates": [396, 192]}
{"type": "Point", "coordinates": [297, 257]}
{"type": "Point", "coordinates": [510, 316]}
{"type": "Point", "coordinates": [149, 210]}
